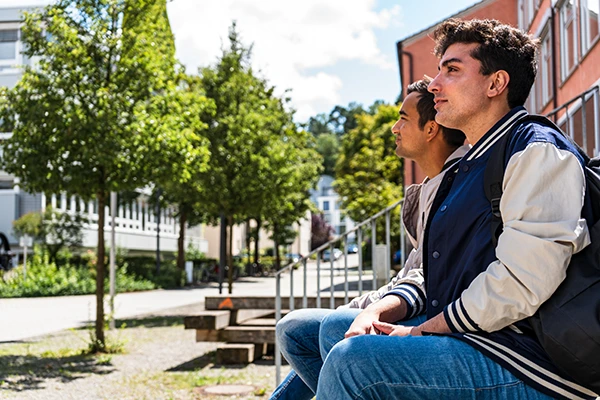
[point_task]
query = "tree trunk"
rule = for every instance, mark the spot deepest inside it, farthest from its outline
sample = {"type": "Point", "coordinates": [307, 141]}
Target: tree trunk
{"type": "Point", "coordinates": [248, 262]}
{"type": "Point", "coordinates": [100, 274]}
{"type": "Point", "coordinates": [277, 255]}
{"type": "Point", "coordinates": [230, 254]}
{"type": "Point", "coordinates": [256, 242]}
{"type": "Point", "coordinates": [181, 239]}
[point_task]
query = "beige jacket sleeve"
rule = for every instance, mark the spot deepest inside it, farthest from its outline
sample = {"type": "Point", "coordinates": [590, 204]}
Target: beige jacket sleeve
{"type": "Point", "coordinates": [544, 190]}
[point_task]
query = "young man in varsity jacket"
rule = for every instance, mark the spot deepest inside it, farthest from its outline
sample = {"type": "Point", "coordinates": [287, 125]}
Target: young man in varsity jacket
{"type": "Point", "coordinates": [434, 148]}
{"type": "Point", "coordinates": [476, 342]}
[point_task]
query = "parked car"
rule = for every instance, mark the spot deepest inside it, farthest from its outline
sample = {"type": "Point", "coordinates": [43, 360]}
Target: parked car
{"type": "Point", "coordinates": [326, 255]}
{"type": "Point", "coordinates": [293, 257]}
{"type": "Point", "coordinates": [352, 248]}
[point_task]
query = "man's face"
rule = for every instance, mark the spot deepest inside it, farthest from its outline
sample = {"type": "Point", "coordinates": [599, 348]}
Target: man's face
{"type": "Point", "coordinates": [410, 138]}
{"type": "Point", "coordinates": [459, 87]}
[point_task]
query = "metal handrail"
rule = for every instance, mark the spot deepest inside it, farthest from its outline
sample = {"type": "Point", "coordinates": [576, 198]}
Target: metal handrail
{"type": "Point", "coordinates": [369, 222]}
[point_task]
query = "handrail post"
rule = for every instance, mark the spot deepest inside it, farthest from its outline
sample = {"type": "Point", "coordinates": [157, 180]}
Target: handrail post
{"type": "Point", "coordinates": [360, 262]}
{"type": "Point", "coordinates": [277, 318]}
{"type": "Point", "coordinates": [373, 244]}
{"type": "Point", "coordinates": [402, 240]}
{"type": "Point", "coordinates": [346, 269]}
{"type": "Point", "coordinates": [331, 288]}
{"type": "Point", "coordinates": [305, 297]}
{"type": "Point", "coordinates": [292, 302]}
{"type": "Point", "coordinates": [388, 255]}
{"type": "Point", "coordinates": [319, 280]}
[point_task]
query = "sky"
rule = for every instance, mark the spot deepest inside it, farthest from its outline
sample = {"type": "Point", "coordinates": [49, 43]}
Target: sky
{"type": "Point", "coordinates": [326, 53]}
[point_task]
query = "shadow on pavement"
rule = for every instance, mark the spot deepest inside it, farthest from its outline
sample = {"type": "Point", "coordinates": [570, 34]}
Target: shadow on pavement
{"type": "Point", "coordinates": [367, 285]}
{"type": "Point", "coordinates": [196, 363]}
{"type": "Point", "coordinates": [22, 373]}
{"type": "Point", "coordinates": [150, 322]}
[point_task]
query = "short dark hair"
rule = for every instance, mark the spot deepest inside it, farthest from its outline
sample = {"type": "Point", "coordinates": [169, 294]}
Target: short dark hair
{"type": "Point", "coordinates": [501, 47]}
{"type": "Point", "coordinates": [426, 110]}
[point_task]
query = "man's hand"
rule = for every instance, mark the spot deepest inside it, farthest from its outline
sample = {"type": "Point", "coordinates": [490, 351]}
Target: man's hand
{"type": "Point", "coordinates": [388, 309]}
{"type": "Point", "coordinates": [396, 330]}
{"type": "Point", "coordinates": [363, 324]}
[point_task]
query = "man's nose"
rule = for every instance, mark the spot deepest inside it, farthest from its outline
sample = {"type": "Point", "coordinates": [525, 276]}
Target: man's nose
{"type": "Point", "coordinates": [434, 84]}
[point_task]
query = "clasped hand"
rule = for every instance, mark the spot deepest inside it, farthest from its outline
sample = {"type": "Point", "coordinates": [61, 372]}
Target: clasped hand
{"type": "Point", "coordinates": [367, 323]}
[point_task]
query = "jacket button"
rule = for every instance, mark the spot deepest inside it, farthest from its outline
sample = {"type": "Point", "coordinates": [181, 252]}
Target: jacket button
{"type": "Point", "coordinates": [436, 254]}
{"type": "Point", "coordinates": [443, 208]}
{"type": "Point", "coordinates": [434, 303]}
{"type": "Point", "coordinates": [450, 179]}
{"type": "Point", "coordinates": [465, 168]}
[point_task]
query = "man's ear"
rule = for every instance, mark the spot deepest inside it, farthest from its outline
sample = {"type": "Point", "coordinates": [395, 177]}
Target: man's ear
{"type": "Point", "coordinates": [499, 83]}
{"type": "Point", "coordinates": [432, 129]}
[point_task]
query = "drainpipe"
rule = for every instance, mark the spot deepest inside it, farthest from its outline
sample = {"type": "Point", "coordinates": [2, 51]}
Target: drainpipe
{"type": "Point", "coordinates": [400, 69]}
{"type": "Point", "coordinates": [400, 51]}
{"type": "Point", "coordinates": [554, 73]}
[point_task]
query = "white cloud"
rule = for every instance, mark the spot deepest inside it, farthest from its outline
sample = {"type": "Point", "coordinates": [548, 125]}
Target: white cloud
{"type": "Point", "coordinates": [291, 39]}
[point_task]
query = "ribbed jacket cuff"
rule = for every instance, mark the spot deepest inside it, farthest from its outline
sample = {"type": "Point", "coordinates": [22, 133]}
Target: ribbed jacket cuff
{"type": "Point", "coordinates": [458, 319]}
{"type": "Point", "coordinates": [414, 297]}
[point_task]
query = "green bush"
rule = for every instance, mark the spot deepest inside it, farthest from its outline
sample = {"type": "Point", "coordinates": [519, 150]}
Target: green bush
{"type": "Point", "coordinates": [46, 279]}
{"type": "Point", "coordinates": [144, 267]}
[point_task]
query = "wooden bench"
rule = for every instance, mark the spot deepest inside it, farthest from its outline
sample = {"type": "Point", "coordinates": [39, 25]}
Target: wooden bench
{"type": "Point", "coordinates": [245, 325]}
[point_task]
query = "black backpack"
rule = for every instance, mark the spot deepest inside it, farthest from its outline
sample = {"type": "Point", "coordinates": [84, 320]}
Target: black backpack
{"type": "Point", "coordinates": [567, 325]}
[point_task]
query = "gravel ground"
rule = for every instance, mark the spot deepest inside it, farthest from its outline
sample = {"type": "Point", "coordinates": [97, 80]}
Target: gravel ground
{"type": "Point", "coordinates": [161, 360]}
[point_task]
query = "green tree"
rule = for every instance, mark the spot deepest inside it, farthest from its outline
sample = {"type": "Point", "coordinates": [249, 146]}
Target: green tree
{"type": "Point", "coordinates": [295, 169]}
{"type": "Point", "coordinates": [240, 136]}
{"type": "Point", "coordinates": [368, 172]}
{"type": "Point", "coordinates": [62, 229]}
{"type": "Point", "coordinates": [318, 125]}
{"type": "Point", "coordinates": [344, 119]}
{"type": "Point", "coordinates": [328, 146]}
{"type": "Point", "coordinates": [30, 224]}
{"type": "Point", "coordinates": [98, 59]}
{"type": "Point", "coordinates": [177, 121]}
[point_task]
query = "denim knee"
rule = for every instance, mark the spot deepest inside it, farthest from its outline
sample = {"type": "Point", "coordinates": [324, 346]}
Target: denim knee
{"type": "Point", "coordinates": [334, 327]}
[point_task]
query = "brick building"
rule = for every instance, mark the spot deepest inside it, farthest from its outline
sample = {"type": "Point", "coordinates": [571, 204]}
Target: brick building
{"type": "Point", "coordinates": [567, 74]}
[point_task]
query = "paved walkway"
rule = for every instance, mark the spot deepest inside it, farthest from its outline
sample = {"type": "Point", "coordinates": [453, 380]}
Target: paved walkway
{"type": "Point", "coordinates": [29, 317]}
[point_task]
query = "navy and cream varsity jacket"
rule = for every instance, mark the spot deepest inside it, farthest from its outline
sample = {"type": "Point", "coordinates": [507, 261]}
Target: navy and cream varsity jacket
{"type": "Point", "coordinates": [484, 292]}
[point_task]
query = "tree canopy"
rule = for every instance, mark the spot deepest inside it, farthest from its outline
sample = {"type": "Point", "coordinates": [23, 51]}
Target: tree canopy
{"type": "Point", "coordinates": [72, 113]}
{"type": "Point", "coordinates": [368, 172]}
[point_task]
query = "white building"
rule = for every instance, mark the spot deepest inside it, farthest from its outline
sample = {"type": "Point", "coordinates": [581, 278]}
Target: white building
{"type": "Point", "coordinates": [328, 201]}
{"type": "Point", "coordinates": [136, 222]}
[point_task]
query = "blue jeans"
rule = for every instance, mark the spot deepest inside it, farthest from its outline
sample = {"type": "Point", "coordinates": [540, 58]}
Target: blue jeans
{"type": "Point", "coordinates": [305, 337]}
{"type": "Point", "coordinates": [298, 338]}
{"type": "Point", "coordinates": [411, 367]}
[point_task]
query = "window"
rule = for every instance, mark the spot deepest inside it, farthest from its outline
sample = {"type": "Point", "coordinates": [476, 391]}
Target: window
{"type": "Point", "coordinates": [541, 93]}
{"type": "Point", "coordinates": [526, 13]}
{"type": "Point", "coordinates": [326, 206]}
{"type": "Point", "coordinates": [589, 23]}
{"type": "Point", "coordinates": [9, 48]}
{"type": "Point", "coordinates": [568, 38]}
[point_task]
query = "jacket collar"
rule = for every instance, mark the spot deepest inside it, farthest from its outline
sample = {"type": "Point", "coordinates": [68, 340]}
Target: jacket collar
{"type": "Point", "coordinates": [498, 130]}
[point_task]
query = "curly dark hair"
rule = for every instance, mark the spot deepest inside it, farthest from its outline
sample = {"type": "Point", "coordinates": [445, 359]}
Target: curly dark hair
{"type": "Point", "coordinates": [426, 110]}
{"type": "Point", "coordinates": [501, 47]}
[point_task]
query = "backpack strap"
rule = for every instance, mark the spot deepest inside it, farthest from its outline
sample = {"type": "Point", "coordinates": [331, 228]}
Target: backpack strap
{"type": "Point", "coordinates": [492, 183]}
{"type": "Point", "coordinates": [494, 170]}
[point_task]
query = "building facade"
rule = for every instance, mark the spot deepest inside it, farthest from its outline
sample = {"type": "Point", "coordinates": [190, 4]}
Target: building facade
{"type": "Point", "coordinates": [139, 227]}
{"type": "Point", "coordinates": [566, 87]}
{"type": "Point", "coordinates": [328, 201]}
